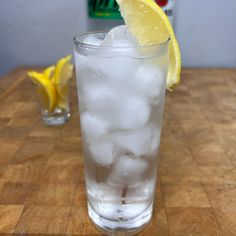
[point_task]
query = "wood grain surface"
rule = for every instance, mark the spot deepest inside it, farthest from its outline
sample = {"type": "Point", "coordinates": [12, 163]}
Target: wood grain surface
{"type": "Point", "coordinates": [42, 189]}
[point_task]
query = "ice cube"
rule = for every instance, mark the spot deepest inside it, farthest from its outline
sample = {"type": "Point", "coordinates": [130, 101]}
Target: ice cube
{"type": "Point", "coordinates": [102, 151]}
{"type": "Point", "coordinates": [119, 37]}
{"type": "Point", "coordinates": [121, 112]}
{"type": "Point", "coordinates": [114, 69]}
{"type": "Point", "coordinates": [109, 211]}
{"type": "Point", "coordinates": [85, 78]}
{"type": "Point", "coordinates": [134, 113]}
{"type": "Point", "coordinates": [109, 193]}
{"type": "Point", "coordinates": [79, 61]}
{"type": "Point", "coordinates": [106, 200]}
{"type": "Point", "coordinates": [137, 142]}
{"type": "Point", "coordinates": [109, 61]}
{"type": "Point", "coordinates": [147, 186]}
{"type": "Point", "coordinates": [129, 211]}
{"type": "Point", "coordinates": [99, 97]}
{"type": "Point", "coordinates": [92, 40]}
{"type": "Point", "coordinates": [101, 191]}
{"type": "Point", "coordinates": [92, 126]}
{"type": "Point", "coordinates": [127, 170]}
{"type": "Point", "coordinates": [82, 75]}
{"type": "Point", "coordinates": [149, 80]}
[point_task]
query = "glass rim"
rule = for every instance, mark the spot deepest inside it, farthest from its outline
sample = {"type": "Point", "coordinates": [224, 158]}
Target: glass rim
{"type": "Point", "coordinates": [78, 42]}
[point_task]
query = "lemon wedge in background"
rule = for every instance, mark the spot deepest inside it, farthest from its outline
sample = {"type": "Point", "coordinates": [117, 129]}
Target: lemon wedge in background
{"type": "Point", "coordinates": [45, 88]}
{"type": "Point", "coordinates": [49, 72]}
{"type": "Point", "coordinates": [149, 24]}
{"type": "Point", "coordinates": [63, 72]}
{"type": "Point", "coordinates": [62, 98]}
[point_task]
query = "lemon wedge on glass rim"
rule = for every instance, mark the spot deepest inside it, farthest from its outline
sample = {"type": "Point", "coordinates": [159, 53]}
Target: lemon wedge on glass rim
{"type": "Point", "coordinates": [150, 25]}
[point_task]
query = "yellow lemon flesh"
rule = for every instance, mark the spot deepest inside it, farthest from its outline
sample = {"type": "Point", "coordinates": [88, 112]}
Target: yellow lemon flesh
{"type": "Point", "coordinates": [49, 72]}
{"type": "Point", "coordinates": [62, 98]}
{"type": "Point", "coordinates": [63, 72]}
{"type": "Point", "coordinates": [45, 89]}
{"type": "Point", "coordinates": [146, 20]}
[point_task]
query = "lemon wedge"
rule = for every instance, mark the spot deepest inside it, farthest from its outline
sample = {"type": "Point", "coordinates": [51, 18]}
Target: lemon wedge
{"type": "Point", "coordinates": [63, 72]}
{"type": "Point", "coordinates": [62, 98]}
{"type": "Point", "coordinates": [45, 88]}
{"type": "Point", "coordinates": [49, 72]}
{"type": "Point", "coordinates": [149, 24]}
{"type": "Point", "coordinates": [52, 84]}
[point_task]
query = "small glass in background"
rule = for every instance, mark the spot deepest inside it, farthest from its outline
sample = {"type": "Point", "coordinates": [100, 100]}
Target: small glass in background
{"type": "Point", "coordinates": [57, 113]}
{"type": "Point", "coordinates": [52, 89]}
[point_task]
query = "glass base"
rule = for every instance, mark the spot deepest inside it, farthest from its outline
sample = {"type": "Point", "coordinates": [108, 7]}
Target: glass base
{"type": "Point", "coordinates": [58, 119]}
{"type": "Point", "coordinates": [120, 228]}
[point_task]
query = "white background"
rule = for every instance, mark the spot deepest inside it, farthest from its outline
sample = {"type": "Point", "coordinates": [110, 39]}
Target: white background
{"type": "Point", "coordinates": [38, 32]}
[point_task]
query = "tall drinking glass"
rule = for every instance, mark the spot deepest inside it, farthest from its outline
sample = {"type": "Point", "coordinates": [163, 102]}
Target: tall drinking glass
{"type": "Point", "coordinates": [121, 94]}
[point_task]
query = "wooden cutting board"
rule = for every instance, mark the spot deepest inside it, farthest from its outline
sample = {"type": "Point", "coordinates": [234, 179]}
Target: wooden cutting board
{"type": "Point", "coordinates": [41, 168]}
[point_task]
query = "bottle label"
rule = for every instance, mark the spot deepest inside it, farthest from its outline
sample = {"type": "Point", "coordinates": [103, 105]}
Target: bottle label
{"type": "Point", "coordinates": [104, 9]}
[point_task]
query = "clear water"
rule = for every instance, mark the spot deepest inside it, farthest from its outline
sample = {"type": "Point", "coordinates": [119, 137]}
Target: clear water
{"type": "Point", "coordinates": [124, 190]}
{"type": "Point", "coordinates": [121, 102]}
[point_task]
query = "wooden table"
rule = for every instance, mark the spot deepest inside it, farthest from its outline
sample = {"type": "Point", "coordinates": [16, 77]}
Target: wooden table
{"type": "Point", "coordinates": [41, 168]}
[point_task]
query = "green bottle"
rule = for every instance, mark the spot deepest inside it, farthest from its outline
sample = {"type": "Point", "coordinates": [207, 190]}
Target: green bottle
{"type": "Point", "coordinates": [103, 9]}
